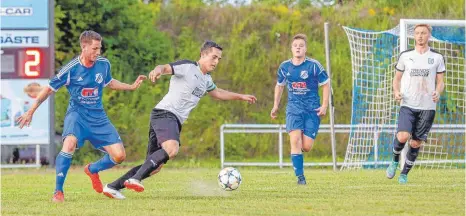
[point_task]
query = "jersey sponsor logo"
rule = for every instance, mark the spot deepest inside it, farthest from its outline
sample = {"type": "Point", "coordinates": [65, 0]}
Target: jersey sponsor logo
{"type": "Point", "coordinates": [90, 92]}
{"type": "Point", "coordinates": [419, 72]}
{"type": "Point", "coordinates": [198, 92]}
{"type": "Point", "coordinates": [299, 85]}
{"type": "Point", "coordinates": [430, 60]}
{"type": "Point", "coordinates": [304, 74]}
{"type": "Point", "coordinates": [99, 78]}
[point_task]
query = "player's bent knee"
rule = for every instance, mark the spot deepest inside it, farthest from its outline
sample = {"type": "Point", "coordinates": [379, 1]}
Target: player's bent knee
{"type": "Point", "coordinates": [171, 147]}
{"type": "Point", "coordinates": [120, 157]}
{"type": "Point", "coordinates": [307, 148]}
{"type": "Point", "coordinates": [69, 144]}
{"type": "Point", "coordinates": [403, 136]}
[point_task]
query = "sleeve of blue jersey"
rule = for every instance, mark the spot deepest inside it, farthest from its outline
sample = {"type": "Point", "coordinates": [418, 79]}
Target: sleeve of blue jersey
{"type": "Point", "coordinates": [108, 75]}
{"type": "Point", "coordinates": [281, 78]}
{"type": "Point", "coordinates": [323, 78]}
{"type": "Point", "coordinates": [62, 78]}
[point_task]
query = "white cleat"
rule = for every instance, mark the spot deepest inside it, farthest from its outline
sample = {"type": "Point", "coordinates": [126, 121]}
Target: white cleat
{"type": "Point", "coordinates": [112, 193]}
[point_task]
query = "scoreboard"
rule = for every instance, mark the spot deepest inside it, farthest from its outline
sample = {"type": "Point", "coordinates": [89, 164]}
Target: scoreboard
{"type": "Point", "coordinates": [27, 63]}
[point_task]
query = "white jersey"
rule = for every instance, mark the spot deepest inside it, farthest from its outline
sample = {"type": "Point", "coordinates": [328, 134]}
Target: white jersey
{"type": "Point", "coordinates": [187, 85]}
{"type": "Point", "coordinates": [419, 75]}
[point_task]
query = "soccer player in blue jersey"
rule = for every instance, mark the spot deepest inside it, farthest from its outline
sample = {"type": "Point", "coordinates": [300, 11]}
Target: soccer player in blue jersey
{"type": "Point", "coordinates": [85, 78]}
{"type": "Point", "coordinates": [302, 76]}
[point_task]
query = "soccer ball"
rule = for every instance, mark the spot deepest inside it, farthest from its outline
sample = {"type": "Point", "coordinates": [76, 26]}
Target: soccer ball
{"type": "Point", "coordinates": [229, 179]}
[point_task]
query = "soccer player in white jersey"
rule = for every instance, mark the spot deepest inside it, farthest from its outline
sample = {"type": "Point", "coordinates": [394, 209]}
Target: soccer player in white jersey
{"type": "Point", "coordinates": [302, 76]}
{"type": "Point", "coordinates": [189, 82]}
{"type": "Point", "coordinates": [85, 77]}
{"type": "Point", "coordinates": [418, 84]}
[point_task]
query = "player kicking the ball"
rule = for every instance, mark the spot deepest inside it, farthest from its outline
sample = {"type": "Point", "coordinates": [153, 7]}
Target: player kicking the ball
{"type": "Point", "coordinates": [420, 72]}
{"type": "Point", "coordinates": [85, 78]}
{"type": "Point", "coordinates": [189, 82]}
{"type": "Point", "coordinates": [302, 76]}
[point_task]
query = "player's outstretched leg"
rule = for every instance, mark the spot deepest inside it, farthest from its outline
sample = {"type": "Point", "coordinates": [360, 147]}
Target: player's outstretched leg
{"type": "Point", "coordinates": [62, 165]}
{"type": "Point", "coordinates": [116, 155]}
{"type": "Point", "coordinates": [152, 162]}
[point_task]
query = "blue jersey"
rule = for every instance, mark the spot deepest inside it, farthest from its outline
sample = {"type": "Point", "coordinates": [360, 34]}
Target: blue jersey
{"type": "Point", "coordinates": [85, 85]}
{"type": "Point", "coordinates": [303, 83]}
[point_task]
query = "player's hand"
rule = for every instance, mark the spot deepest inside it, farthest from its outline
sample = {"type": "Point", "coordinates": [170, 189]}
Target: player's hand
{"type": "Point", "coordinates": [398, 96]}
{"type": "Point", "coordinates": [138, 82]}
{"type": "Point", "coordinates": [274, 112]}
{"type": "Point", "coordinates": [25, 119]}
{"type": "Point", "coordinates": [321, 111]}
{"type": "Point", "coordinates": [154, 75]}
{"type": "Point", "coordinates": [435, 96]}
{"type": "Point", "coordinates": [249, 98]}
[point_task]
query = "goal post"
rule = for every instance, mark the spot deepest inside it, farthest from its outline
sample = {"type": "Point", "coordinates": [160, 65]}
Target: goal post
{"type": "Point", "coordinates": [374, 55]}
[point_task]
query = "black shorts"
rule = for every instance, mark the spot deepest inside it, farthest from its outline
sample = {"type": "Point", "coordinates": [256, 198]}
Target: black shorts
{"type": "Point", "coordinates": [416, 122]}
{"type": "Point", "coordinates": [164, 125]}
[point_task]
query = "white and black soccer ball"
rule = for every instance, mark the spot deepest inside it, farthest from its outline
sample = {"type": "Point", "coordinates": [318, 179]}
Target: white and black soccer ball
{"type": "Point", "coordinates": [229, 179]}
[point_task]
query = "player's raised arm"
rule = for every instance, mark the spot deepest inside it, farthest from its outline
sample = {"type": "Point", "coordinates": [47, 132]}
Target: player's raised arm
{"type": "Point", "coordinates": [160, 70]}
{"type": "Point", "coordinates": [221, 94]}
{"type": "Point", "coordinates": [26, 118]}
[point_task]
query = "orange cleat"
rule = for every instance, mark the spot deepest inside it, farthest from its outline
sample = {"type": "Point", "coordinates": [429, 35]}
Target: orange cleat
{"type": "Point", "coordinates": [58, 197]}
{"type": "Point", "coordinates": [96, 183]}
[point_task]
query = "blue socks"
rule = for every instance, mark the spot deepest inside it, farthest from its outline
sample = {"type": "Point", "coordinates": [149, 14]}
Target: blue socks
{"type": "Point", "coordinates": [298, 163]}
{"type": "Point", "coordinates": [62, 164]}
{"type": "Point", "coordinates": [104, 163]}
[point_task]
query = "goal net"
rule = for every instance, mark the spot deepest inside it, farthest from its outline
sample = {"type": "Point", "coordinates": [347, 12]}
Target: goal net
{"type": "Point", "coordinates": [374, 110]}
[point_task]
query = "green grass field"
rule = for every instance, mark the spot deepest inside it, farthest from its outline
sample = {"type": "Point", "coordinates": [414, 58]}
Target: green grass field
{"type": "Point", "coordinates": [182, 191]}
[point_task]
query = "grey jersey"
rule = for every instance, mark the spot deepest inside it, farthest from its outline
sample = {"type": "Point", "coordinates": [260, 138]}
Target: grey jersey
{"type": "Point", "coordinates": [187, 85]}
{"type": "Point", "coordinates": [419, 75]}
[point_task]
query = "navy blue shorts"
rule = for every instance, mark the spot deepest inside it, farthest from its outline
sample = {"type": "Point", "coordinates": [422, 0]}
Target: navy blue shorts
{"type": "Point", "coordinates": [99, 131]}
{"type": "Point", "coordinates": [307, 122]}
{"type": "Point", "coordinates": [416, 122]}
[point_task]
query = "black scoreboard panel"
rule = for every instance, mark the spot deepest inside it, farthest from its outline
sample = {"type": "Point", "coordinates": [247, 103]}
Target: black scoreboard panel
{"type": "Point", "coordinates": [25, 63]}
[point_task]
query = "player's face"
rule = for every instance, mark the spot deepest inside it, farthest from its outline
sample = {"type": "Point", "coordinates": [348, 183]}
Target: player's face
{"type": "Point", "coordinates": [298, 48]}
{"type": "Point", "coordinates": [211, 58]}
{"type": "Point", "coordinates": [421, 35]}
{"type": "Point", "coordinates": [92, 50]}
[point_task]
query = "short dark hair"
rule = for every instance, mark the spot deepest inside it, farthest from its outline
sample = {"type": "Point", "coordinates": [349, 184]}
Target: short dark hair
{"type": "Point", "coordinates": [209, 44]}
{"type": "Point", "coordinates": [88, 36]}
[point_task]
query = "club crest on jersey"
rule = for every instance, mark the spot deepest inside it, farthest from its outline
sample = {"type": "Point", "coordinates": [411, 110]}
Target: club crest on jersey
{"type": "Point", "coordinates": [90, 92]}
{"type": "Point", "coordinates": [304, 74]}
{"type": "Point", "coordinates": [198, 92]}
{"type": "Point", "coordinates": [430, 60]}
{"type": "Point", "coordinates": [99, 78]}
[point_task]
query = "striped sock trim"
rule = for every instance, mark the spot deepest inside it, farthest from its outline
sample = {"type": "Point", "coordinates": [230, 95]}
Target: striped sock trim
{"type": "Point", "coordinates": [64, 154]}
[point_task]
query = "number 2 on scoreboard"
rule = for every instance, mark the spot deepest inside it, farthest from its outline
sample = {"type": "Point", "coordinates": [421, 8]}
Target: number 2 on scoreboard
{"type": "Point", "coordinates": [29, 64]}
